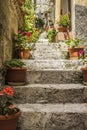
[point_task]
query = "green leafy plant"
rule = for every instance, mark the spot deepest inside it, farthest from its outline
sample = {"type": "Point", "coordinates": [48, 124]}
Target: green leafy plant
{"type": "Point", "coordinates": [39, 23]}
{"type": "Point", "coordinates": [29, 26]}
{"type": "Point", "coordinates": [14, 63]}
{"type": "Point", "coordinates": [51, 34]}
{"type": "Point", "coordinates": [6, 105]}
{"type": "Point", "coordinates": [73, 43]}
{"type": "Point", "coordinates": [29, 21]}
{"type": "Point", "coordinates": [64, 20]}
{"type": "Point", "coordinates": [28, 7]}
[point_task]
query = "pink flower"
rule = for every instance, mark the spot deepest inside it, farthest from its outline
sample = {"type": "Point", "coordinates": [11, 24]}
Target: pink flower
{"type": "Point", "coordinates": [23, 33]}
{"type": "Point", "coordinates": [80, 52]}
{"type": "Point", "coordinates": [28, 34]}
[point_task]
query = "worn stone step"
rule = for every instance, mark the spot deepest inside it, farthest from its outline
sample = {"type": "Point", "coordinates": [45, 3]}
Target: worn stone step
{"type": "Point", "coordinates": [50, 55]}
{"type": "Point", "coordinates": [51, 46]}
{"type": "Point", "coordinates": [37, 65]}
{"type": "Point", "coordinates": [50, 51]}
{"type": "Point", "coordinates": [51, 93]}
{"type": "Point", "coordinates": [54, 76]}
{"type": "Point", "coordinates": [42, 40]}
{"type": "Point", "coordinates": [54, 71]}
{"type": "Point", "coordinates": [53, 117]}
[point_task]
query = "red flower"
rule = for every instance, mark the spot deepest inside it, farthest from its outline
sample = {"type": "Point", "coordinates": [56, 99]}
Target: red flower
{"type": "Point", "coordinates": [28, 34]}
{"type": "Point", "coordinates": [1, 93]}
{"type": "Point", "coordinates": [9, 90]}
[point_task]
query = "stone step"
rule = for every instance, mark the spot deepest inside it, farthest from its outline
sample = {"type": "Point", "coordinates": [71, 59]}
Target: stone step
{"type": "Point", "coordinates": [50, 54]}
{"type": "Point", "coordinates": [53, 117]}
{"type": "Point", "coordinates": [50, 51]}
{"type": "Point", "coordinates": [54, 76]}
{"type": "Point", "coordinates": [42, 40]}
{"type": "Point", "coordinates": [36, 65]}
{"type": "Point", "coordinates": [51, 93]}
{"type": "Point", "coordinates": [51, 46]}
{"type": "Point", "coordinates": [54, 71]}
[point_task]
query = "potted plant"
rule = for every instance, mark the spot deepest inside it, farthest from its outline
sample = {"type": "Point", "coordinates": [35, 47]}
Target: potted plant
{"type": "Point", "coordinates": [64, 23]}
{"type": "Point", "coordinates": [75, 47]}
{"type": "Point", "coordinates": [9, 114]}
{"type": "Point", "coordinates": [22, 44]}
{"type": "Point", "coordinates": [51, 34]}
{"type": "Point", "coordinates": [15, 72]}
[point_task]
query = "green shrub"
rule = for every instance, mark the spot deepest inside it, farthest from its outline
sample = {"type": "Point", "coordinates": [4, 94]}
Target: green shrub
{"type": "Point", "coordinates": [51, 34]}
{"type": "Point", "coordinates": [14, 63]}
{"type": "Point", "coordinates": [64, 20]}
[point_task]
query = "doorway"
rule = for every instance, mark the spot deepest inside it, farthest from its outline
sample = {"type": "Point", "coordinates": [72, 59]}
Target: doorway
{"type": "Point", "coordinates": [65, 6]}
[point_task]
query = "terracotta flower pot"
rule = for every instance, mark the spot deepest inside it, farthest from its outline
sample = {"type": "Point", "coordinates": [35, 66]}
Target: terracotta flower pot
{"type": "Point", "coordinates": [84, 73]}
{"type": "Point", "coordinates": [76, 53]}
{"type": "Point", "coordinates": [16, 75]}
{"type": "Point", "coordinates": [62, 29]}
{"type": "Point", "coordinates": [24, 53]}
{"type": "Point", "coordinates": [9, 122]}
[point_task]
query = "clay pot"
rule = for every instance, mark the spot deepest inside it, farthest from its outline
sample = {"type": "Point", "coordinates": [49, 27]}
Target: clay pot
{"type": "Point", "coordinates": [16, 75]}
{"type": "Point", "coordinates": [84, 73]}
{"type": "Point", "coordinates": [74, 53]}
{"type": "Point", "coordinates": [9, 122]}
{"type": "Point", "coordinates": [24, 53]}
{"type": "Point", "coordinates": [62, 29]}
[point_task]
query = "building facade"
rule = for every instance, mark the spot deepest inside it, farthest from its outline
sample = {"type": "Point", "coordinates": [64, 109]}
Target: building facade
{"type": "Point", "coordinates": [77, 9]}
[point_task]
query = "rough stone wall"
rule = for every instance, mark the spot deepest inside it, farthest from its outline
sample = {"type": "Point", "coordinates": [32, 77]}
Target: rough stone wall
{"type": "Point", "coordinates": [81, 19]}
{"type": "Point", "coordinates": [10, 18]}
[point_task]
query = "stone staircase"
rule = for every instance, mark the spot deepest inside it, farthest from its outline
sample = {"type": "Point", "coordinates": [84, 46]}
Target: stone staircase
{"type": "Point", "coordinates": [54, 98]}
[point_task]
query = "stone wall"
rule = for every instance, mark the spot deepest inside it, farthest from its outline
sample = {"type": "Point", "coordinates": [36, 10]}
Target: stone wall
{"type": "Point", "coordinates": [81, 19]}
{"type": "Point", "coordinates": [10, 18]}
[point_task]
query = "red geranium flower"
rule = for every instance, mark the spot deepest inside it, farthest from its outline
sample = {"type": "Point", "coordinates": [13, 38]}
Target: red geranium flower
{"type": "Point", "coordinates": [6, 104]}
{"type": "Point", "coordinates": [9, 90]}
